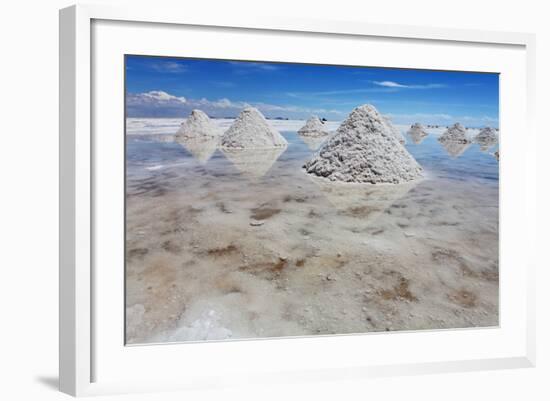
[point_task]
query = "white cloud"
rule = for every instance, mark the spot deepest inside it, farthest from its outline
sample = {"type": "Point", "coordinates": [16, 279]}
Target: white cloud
{"type": "Point", "coordinates": [245, 67]}
{"type": "Point", "coordinates": [168, 66]}
{"type": "Point", "coordinates": [154, 97]}
{"type": "Point", "coordinates": [389, 84]}
{"type": "Point", "coordinates": [442, 118]}
{"type": "Point", "coordinates": [162, 104]}
{"type": "Point", "coordinates": [392, 84]}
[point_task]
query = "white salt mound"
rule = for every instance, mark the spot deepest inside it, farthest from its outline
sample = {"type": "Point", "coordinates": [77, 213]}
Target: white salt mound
{"type": "Point", "coordinates": [364, 150]}
{"type": "Point", "coordinates": [250, 130]}
{"type": "Point", "coordinates": [455, 133]}
{"type": "Point", "coordinates": [395, 131]}
{"type": "Point", "coordinates": [314, 127]}
{"type": "Point", "coordinates": [486, 135]}
{"type": "Point", "coordinates": [197, 125]}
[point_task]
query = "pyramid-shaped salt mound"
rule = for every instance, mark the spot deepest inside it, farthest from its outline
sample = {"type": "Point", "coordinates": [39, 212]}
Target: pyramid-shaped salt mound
{"type": "Point", "coordinates": [250, 130]}
{"type": "Point", "coordinates": [395, 131]}
{"type": "Point", "coordinates": [364, 150]}
{"type": "Point", "coordinates": [455, 133]}
{"type": "Point", "coordinates": [417, 132]}
{"type": "Point", "coordinates": [197, 125]}
{"type": "Point", "coordinates": [486, 138]}
{"type": "Point", "coordinates": [314, 128]}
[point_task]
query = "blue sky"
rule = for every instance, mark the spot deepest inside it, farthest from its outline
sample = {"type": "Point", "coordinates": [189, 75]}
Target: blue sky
{"type": "Point", "coordinates": [172, 87]}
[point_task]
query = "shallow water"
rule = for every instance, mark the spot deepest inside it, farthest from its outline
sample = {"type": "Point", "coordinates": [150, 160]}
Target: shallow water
{"type": "Point", "coordinates": [245, 244]}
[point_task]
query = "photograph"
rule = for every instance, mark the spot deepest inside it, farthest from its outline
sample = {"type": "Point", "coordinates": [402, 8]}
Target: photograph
{"type": "Point", "coordinates": [268, 199]}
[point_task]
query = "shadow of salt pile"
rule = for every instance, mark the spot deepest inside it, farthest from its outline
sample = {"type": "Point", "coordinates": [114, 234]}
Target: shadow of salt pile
{"type": "Point", "coordinates": [364, 201]}
{"type": "Point", "coordinates": [201, 149]}
{"type": "Point", "coordinates": [455, 148]}
{"type": "Point", "coordinates": [253, 163]}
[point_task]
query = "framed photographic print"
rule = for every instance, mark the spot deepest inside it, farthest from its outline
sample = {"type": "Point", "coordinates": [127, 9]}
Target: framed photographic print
{"type": "Point", "coordinates": [353, 200]}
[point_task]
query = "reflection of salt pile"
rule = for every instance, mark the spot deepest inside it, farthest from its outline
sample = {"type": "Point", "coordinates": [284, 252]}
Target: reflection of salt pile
{"type": "Point", "coordinates": [313, 128]}
{"type": "Point", "coordinates": [486, 138]}
{"type": "Point", "coordinates": [417, 133]}
{"type": "Point", "coordinates": [313, 142]}
{"type": "Point", "coordinates": [197, 125]}
{"type": "Point", "coordinates": [251, 131]}
{"type": "Point", "coordinates": [363, 201]}
{"type": "Point", "coordinates": [202, 149]}
{"type": "Point", "coordinates": [364, 150]}
{"type": "Point", "coordinates": [395, 131]}
{"type": "Point", "coordinates": [253, 163]}
{"type": "Point", "coordinates": [455, 149]}
{"type": "Point", "coordinates": [454, 140]}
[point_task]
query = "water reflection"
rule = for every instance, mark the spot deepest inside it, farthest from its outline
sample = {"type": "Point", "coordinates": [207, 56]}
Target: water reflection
{"type": "Point", "coordinates": [486, 144]}
{"type": "Point", "coordinates": [150, 154]}
{"type": "Point", "coordinates": [253, 163]}
{"type": "Point", "coordinates": [363, 200]}
{"type": "Point", "coordinates": [455, 148]}
{"type": "Point", "coordinates": [313, 142]}
{"type": "Point", "coordinates": [202, 149]}
{"type": "Point", "coordinates": [417, 133]}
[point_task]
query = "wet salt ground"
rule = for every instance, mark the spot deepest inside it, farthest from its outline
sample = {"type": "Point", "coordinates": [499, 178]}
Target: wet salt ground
{"type": "Point", "coordinates": [216, 253]}
{"type": "Point", "coordinates": [146, 155]}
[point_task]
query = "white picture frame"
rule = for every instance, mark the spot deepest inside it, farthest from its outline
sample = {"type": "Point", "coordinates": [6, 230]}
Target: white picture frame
{"type": "Point", "coordinates": [80, 342]}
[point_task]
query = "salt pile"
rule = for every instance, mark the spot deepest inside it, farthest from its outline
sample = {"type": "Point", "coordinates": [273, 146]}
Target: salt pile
{"type": "Point", "coordinates": [455, 133]}
{"type": "Point", "coordinates": [197, 125]}
{"type": "Point", "coordinates": [454, 140]}
{"type": "Point", "coordinates": [486, 138]}
{"type": "Point", "coordinates": [364, 150]}
{"type": "Point", "coordinates": [314, 127]}
{"type": "Point", "coordinates": [417, 133]}
{"type": "Point", "coordinates": [395, 131]}
{"type": "Point", "coordinates": [251, 131]}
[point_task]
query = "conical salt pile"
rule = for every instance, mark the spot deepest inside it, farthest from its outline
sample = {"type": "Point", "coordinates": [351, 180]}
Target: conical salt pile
{"type": "Point", "coordinates": [455, 133]}
{"type": "Point", "coordinates": [251, 131]}
{"type": "Point", "coordinates": [314, 128]}
{"type": "Point", "coordinates": [486, 138]}
{"type": "Point", "coordinates": [395, 131]}
{"type": "Point", "coordinates": [417, 133]}
{"type": "Point", "coordinates": [364, 150]}
{"type": "Point", "coordinates": [197, 126]}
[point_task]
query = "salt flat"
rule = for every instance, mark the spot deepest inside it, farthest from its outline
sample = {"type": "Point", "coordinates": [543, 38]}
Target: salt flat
{"type": "Point", "coordinates": [247, 246]}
